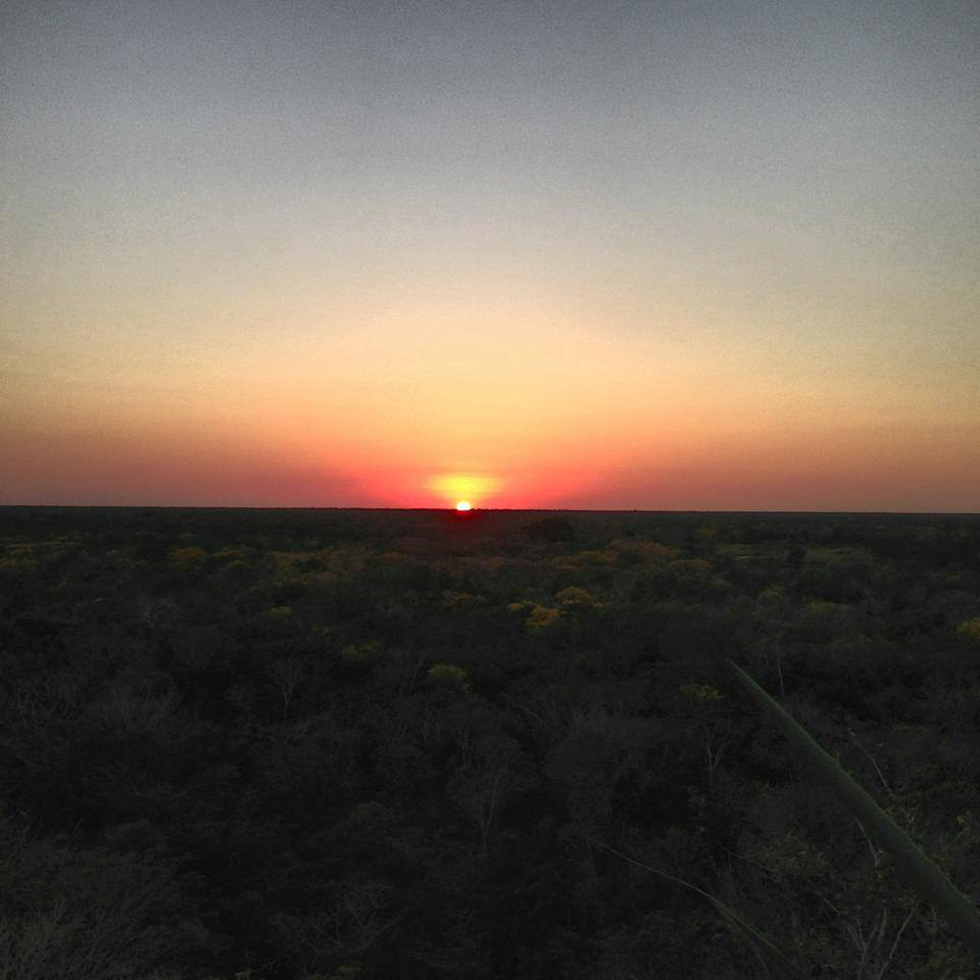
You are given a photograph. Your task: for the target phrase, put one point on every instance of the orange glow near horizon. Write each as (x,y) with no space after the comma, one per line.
(463,491)
(580,418)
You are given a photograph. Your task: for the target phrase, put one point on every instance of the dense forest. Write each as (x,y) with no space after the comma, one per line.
(346,745)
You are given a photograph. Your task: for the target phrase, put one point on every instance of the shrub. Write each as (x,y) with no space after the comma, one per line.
(449,675)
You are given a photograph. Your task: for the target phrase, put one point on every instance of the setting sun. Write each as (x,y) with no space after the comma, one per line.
(463,491)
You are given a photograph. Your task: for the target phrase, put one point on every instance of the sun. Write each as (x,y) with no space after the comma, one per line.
(462,491)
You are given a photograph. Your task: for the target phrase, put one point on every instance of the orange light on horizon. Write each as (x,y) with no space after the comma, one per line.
(463,490)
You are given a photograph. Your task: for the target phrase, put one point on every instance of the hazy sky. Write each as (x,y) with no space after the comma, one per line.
(607,254)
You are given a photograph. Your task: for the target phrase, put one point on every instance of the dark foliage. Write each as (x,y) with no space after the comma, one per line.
(329,745)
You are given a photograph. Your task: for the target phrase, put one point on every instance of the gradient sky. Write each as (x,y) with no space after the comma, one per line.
(671,255)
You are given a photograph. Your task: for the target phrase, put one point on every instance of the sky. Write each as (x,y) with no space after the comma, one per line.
(528,253)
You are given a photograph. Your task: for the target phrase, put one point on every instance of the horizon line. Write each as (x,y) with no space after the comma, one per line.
(494,510)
